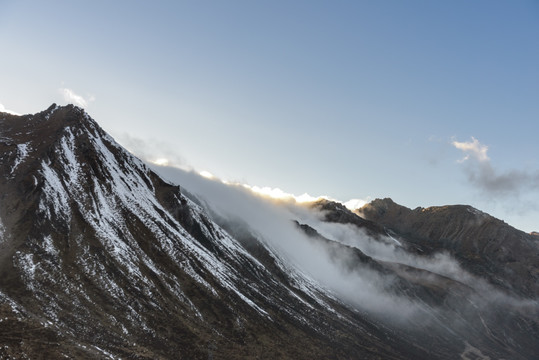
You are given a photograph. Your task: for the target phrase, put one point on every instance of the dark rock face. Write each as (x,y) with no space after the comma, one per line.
(338,213)
(484,245)
(101,258)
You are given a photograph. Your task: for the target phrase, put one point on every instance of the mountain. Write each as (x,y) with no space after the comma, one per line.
(101,257)
(484,245)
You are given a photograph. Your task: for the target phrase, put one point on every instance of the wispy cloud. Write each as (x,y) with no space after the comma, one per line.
(3,109)
(482,174)
(472,148)
(278,194)
(71,97)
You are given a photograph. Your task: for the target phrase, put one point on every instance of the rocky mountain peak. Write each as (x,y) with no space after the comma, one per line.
(483,243)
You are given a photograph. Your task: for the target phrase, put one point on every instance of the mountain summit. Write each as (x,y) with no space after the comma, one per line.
(484,245)
(100,257)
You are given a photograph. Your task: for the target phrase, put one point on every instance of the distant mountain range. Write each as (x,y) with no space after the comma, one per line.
(103,256)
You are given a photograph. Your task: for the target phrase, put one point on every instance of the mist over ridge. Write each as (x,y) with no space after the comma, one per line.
(271,219)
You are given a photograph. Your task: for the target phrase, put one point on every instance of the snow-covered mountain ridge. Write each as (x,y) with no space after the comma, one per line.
(102,258)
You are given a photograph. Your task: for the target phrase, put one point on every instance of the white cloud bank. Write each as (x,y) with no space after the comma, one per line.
(71,97)
(267,214)
(3,109)
(269,219)
(158,153)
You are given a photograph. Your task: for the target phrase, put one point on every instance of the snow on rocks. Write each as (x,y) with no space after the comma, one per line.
(2,232)
(127,179)
(56,199)
(22,153)
(89,177)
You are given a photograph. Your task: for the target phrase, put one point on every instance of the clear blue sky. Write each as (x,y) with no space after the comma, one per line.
(351,99)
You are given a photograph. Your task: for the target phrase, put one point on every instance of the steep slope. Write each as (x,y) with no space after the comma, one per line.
(423,298)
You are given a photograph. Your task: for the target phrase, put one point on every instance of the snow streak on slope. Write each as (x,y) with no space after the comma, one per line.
(109,185)
(22,153)
(56,200)
(128,180)
(2,231)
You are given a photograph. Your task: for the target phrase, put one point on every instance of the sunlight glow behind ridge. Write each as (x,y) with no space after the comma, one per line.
(206,174)
(278,194)
(160,162)
(267,192)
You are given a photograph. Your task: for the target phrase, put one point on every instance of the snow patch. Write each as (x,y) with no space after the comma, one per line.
(52,111)
(28,267)
(106,353)
(251,303)
(14,306)
(395,240)
(48,246)
(475,211)
(55,199)
(2,232)
(22,153)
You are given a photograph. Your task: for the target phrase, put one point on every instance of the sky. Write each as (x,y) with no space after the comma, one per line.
(426,102)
